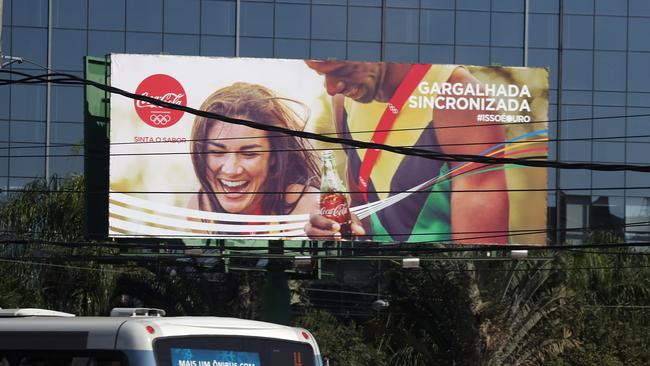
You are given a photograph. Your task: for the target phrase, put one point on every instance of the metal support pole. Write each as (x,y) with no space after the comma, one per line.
(275,295)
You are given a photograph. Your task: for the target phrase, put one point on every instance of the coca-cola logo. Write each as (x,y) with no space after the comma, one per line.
(164,88)
(337,211)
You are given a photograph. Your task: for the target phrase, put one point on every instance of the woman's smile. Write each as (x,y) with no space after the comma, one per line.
(238,165)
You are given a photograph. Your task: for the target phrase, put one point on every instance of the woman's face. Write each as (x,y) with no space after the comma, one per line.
(238,163)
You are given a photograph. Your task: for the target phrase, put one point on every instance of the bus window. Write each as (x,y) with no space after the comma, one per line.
(60,358)
(226,351)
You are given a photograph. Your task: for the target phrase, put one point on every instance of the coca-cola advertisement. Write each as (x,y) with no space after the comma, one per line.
(175,174)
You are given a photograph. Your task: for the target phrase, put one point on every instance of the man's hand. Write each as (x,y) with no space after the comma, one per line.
(321,228)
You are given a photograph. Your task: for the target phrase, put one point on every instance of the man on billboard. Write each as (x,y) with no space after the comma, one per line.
(382,103)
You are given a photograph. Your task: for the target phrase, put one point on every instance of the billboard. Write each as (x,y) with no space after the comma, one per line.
(175,174)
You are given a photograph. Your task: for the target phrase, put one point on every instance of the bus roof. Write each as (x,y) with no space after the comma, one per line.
(138,332)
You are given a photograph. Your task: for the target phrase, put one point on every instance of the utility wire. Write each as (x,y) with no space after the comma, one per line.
(73,79)
(358,245)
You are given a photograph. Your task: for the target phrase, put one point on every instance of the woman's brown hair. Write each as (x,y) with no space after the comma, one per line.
(291,160)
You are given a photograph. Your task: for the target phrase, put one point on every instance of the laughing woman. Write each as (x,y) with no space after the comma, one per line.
(248,171)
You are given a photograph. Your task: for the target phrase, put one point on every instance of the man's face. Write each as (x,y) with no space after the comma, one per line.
(360,81)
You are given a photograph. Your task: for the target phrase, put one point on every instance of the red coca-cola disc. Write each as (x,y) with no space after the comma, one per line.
(165,88)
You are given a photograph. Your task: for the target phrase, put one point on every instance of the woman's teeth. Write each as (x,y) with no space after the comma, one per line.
(234,185)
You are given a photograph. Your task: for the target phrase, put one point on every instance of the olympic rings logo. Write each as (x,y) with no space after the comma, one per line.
(159,119)
(164,88)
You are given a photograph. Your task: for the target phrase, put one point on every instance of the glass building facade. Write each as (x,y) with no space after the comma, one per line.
(598,52)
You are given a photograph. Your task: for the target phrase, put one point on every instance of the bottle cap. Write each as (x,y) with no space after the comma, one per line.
(326,154)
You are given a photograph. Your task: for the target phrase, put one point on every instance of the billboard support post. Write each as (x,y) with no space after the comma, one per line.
(275,295)
(96,150)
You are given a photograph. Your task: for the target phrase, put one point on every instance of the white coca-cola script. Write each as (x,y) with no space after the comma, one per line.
(173,98)
(340,210)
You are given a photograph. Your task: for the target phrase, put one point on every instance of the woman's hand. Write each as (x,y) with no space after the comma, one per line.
(321,228)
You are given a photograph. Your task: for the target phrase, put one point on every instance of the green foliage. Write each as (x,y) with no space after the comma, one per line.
(38,274)
(342,344)
(612,320)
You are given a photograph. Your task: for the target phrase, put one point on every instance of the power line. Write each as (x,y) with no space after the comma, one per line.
(73,79)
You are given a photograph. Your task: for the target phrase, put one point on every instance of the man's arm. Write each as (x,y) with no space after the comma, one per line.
(476,217)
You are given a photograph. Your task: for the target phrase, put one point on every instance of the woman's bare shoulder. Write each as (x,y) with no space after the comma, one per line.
(305,198)
(193,203)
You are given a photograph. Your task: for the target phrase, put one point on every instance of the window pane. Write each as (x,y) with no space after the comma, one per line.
(608,180)
(611,33)
(472,55)
(256,47)
(508,5)
(610,70)
(218,17)
(609,7)
(637,210)
(144,15)
(609,122)
(101,43)
(365,24)
(472,28)
(639,42)
(639,8)
(182,16)
(291,21)
(402,25)
(365,2)
(323,50)
(364,51)
(28,102)
(28,166)
(437,4)
(329,22)
(4,102)
(507,30)
(638,77)
(472,5)
(436,26)
(544,6)
(403,3)
(576,179)
(255,19)
(578,31)
(609,98)
(30,44)
(507,56)
(67,103)
(6,13)
(638,99)
(5,39)
(578,6)
(577,97)
(143,42)
(543,31)
(70,13)
(576,127)
(29,13)
(577,69)
(437,54)
(106,15)
(217,46)
(330,2)
(401,52)
(292,48)
(27,132)
(68,49)
(181,44)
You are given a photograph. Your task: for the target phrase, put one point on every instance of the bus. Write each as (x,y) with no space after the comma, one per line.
(145,337)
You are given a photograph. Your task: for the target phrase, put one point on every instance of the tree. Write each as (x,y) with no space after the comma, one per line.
(35,272)
(340,343)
